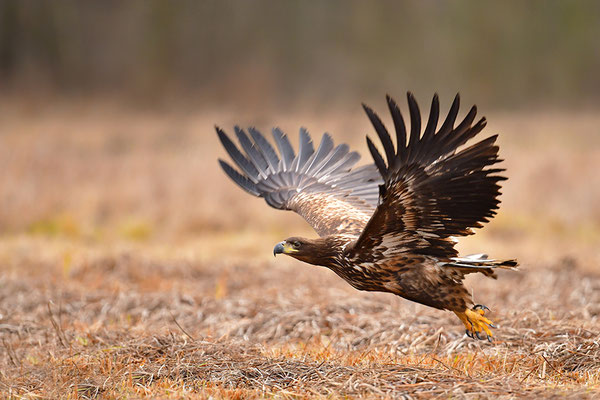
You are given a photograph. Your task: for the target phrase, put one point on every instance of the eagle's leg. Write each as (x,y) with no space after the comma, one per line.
(475,321)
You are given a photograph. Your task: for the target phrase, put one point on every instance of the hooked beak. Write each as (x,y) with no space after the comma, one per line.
(284,248)
(279,248)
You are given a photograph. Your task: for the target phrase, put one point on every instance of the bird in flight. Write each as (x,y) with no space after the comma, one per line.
(389,226)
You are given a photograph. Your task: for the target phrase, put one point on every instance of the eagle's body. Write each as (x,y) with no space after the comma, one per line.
(387,226)
(420,278)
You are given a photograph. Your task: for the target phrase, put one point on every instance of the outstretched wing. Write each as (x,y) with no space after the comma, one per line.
(431,190)
(320,184)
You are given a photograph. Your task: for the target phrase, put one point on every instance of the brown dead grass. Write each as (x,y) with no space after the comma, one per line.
(130,267)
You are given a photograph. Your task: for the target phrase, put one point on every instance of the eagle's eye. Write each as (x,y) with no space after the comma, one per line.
(296,244)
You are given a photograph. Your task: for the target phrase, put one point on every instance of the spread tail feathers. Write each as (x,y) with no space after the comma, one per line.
(480,263)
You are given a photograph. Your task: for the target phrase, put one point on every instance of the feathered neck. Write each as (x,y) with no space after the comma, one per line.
(325,251)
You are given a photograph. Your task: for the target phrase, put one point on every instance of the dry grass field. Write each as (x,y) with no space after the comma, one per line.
(130,266)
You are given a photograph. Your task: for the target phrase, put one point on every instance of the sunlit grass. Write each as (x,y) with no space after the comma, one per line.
(131,267)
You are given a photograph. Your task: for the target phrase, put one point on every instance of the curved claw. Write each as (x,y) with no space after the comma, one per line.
(477,324)
(490,339)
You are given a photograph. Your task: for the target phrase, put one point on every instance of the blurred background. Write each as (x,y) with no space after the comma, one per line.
(507,54)
(107,109)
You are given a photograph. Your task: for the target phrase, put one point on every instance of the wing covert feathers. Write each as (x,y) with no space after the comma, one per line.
(433,188)
(318,184)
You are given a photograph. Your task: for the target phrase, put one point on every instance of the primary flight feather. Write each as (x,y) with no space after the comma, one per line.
(387,226)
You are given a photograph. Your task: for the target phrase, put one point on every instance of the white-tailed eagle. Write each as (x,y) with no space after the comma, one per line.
(387,226)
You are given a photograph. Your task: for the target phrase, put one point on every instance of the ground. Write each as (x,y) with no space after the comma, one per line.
(131,267)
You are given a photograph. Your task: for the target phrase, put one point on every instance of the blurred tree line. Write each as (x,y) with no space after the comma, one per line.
(506,53)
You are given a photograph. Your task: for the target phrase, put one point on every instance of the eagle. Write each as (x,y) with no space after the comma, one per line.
(389,226)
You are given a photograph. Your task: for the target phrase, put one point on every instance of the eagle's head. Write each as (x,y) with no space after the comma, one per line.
(294,246)
(313,251)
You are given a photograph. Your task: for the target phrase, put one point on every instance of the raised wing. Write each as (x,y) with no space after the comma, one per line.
(320,184)
(431,190)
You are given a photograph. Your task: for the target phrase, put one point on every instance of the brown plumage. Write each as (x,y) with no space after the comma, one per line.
(387,226)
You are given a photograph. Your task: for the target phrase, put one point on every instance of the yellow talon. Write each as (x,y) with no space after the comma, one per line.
(475,321)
